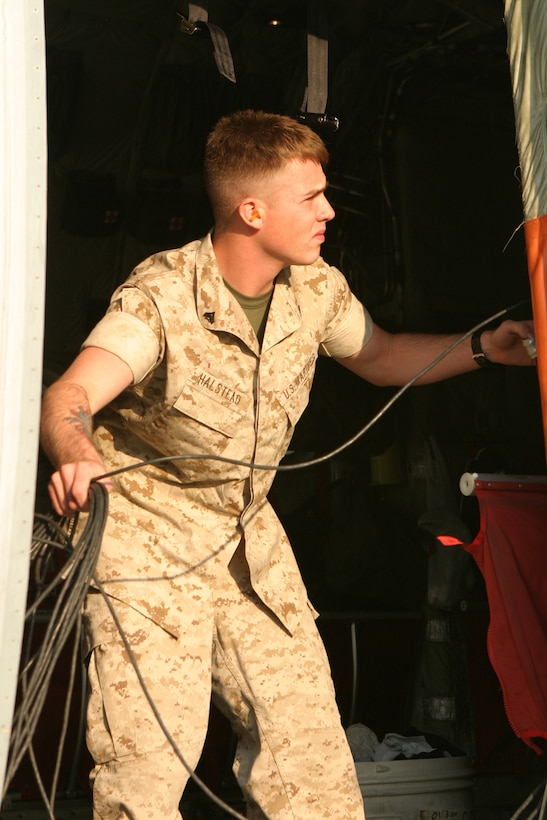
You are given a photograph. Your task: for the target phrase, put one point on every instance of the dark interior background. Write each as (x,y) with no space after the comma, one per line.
(424,178)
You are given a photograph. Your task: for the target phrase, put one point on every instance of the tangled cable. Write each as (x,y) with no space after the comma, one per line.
(59,585)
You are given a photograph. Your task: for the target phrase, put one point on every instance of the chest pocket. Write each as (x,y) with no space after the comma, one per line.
(294,395)
(211,402)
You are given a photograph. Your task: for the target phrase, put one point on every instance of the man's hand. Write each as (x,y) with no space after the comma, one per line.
(504,345)
(69,486)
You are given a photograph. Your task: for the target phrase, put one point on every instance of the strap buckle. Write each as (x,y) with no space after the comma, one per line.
(187,26)
(326,122)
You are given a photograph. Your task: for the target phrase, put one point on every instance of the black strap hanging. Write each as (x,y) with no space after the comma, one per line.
(314,105)
(198,20)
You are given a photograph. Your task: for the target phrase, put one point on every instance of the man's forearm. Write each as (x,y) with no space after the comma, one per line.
(416,352)
(66,424)
(394,359)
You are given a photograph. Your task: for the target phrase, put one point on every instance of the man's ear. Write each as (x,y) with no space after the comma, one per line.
(250,211)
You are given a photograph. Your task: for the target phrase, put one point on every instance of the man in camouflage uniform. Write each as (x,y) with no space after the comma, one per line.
(209,351)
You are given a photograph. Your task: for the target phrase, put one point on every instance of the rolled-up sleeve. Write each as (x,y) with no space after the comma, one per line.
(131,330)
(351,326)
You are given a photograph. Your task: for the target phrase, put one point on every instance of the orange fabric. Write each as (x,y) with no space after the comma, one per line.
(511,552)
(536,246)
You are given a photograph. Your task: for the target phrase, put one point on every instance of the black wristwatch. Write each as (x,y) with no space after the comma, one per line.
(479,355)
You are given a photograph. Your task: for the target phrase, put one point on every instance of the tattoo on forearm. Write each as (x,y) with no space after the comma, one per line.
(82,419)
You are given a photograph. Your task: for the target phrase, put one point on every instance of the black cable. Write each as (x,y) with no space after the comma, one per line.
(66,714)
(78,573)
(36,674)
(336,451)
(73,580)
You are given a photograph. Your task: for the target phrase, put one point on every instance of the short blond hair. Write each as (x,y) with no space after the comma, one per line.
(248,146)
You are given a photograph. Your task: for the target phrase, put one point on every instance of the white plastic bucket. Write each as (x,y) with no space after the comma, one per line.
(421,789)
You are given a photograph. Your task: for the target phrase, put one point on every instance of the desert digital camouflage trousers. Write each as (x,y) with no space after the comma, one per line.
(292,759)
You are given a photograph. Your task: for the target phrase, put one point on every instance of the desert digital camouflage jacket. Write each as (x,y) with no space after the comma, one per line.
(205,388)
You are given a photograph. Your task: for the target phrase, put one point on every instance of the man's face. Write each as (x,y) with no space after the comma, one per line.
(295,214)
